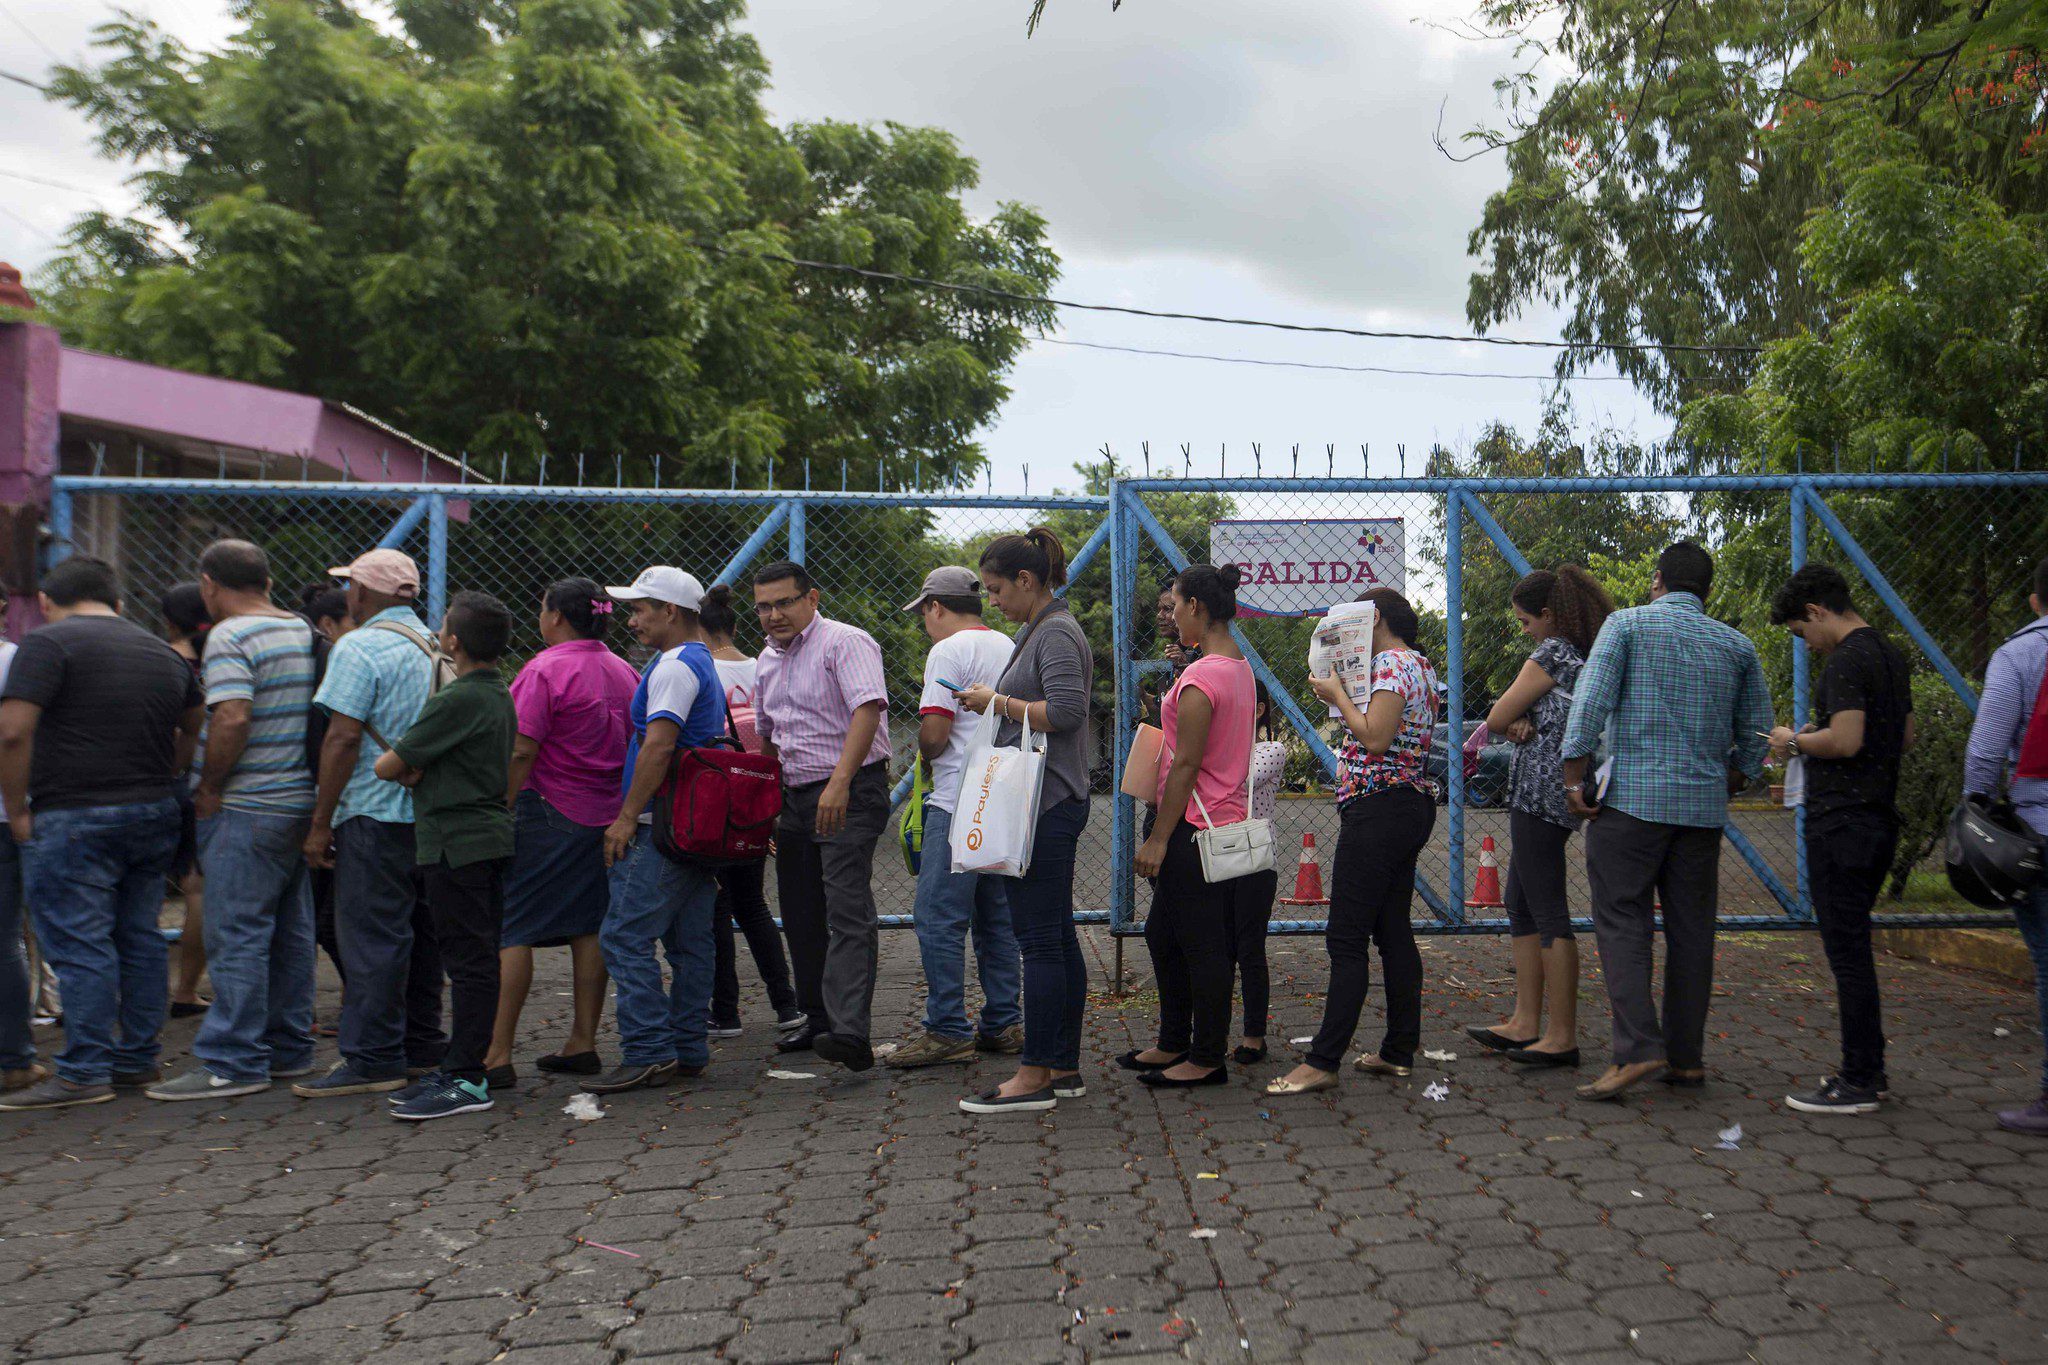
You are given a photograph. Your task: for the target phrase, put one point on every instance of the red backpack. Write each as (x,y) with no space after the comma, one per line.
(719,805)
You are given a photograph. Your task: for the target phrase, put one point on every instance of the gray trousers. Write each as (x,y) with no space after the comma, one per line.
(1633,865)
(828,901)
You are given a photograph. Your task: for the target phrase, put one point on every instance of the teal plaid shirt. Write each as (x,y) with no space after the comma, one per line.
(1685,698)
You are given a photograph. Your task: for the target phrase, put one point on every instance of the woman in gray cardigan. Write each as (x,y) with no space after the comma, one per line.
(1049,679)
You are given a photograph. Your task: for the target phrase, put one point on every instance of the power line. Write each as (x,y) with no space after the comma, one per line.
(51,184)
(1010,296)
(46,236)
(33,36)
(36,86)
(1311,365)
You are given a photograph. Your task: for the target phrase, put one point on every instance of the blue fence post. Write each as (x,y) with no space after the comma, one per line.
(1454,661)
(408,522)
(1123,579)
(755,543)
(797,531)
(437,560)
(61,512)
(1802,665)
(1083,556)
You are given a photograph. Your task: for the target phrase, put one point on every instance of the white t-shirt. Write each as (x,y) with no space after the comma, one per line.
(670,689)
(736,676)
(967,657)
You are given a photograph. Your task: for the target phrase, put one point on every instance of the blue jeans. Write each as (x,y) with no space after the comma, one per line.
(655,899)
(947,901)
(2032,914)
(17,1043)
(259,946)
(391,1005)
(1055,973)
(95,881)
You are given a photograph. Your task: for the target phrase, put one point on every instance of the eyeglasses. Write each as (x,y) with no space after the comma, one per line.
(778,606)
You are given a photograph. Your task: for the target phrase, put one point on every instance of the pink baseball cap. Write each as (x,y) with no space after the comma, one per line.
(390,572)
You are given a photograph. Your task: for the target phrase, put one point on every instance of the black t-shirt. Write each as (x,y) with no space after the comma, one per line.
(112,696)
(1866,673)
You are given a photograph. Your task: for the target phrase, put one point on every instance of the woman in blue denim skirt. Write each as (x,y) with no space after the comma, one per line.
(565,786)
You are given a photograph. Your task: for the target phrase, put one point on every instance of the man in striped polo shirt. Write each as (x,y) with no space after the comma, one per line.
(253,801)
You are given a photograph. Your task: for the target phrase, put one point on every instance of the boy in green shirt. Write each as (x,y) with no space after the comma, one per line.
(455,758)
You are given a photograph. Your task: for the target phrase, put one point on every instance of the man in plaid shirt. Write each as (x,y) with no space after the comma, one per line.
(1682,697)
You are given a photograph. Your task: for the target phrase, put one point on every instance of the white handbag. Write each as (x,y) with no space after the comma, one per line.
(995,813)
(1240,848)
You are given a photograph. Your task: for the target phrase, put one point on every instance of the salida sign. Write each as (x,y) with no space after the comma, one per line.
(1303,568)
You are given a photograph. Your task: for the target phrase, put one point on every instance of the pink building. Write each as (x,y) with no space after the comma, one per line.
(71,411)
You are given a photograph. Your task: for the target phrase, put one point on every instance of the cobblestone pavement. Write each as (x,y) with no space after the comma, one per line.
(786,1220)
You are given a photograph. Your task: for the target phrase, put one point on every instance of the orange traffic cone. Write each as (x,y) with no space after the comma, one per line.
(1486,881)
(1308,877)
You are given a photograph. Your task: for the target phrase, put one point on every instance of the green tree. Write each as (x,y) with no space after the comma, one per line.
(525,228)
(1659,189)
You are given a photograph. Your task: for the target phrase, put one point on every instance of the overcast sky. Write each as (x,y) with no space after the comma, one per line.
(1209,156)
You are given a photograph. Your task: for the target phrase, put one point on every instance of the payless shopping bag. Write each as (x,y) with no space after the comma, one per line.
(995,816)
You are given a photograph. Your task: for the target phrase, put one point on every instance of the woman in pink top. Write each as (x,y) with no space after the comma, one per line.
(572,700)
(1204,761)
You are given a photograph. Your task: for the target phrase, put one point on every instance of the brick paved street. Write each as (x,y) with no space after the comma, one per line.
(785,1220)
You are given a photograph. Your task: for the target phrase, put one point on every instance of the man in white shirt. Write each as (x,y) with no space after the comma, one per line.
(964,652)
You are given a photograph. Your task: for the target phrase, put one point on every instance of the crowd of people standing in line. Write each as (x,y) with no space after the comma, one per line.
(345,778)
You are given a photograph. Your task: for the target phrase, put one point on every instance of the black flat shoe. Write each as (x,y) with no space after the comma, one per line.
(1129,1061)
(186,1009)
(570,1063)
(1248,1056)
(1497,1042)
(1159,1080)
(800,1041)
(844,1049)
(1522,1056)
(501,1077)
(995,1102)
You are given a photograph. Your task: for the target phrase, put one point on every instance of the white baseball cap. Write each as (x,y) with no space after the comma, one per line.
(661,583)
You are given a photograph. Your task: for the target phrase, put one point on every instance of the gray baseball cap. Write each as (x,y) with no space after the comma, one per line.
(948,580)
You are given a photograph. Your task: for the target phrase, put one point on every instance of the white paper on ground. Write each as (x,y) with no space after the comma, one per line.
(792,1075)
(1438,1091)
(1731,1139)
(583,1108)
(1439,1055)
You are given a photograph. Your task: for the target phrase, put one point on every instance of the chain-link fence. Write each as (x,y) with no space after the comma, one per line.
(1940,562)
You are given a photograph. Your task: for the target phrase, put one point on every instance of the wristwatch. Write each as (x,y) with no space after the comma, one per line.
(1793,745)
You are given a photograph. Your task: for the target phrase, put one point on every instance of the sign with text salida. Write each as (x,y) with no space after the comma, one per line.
(1303,568)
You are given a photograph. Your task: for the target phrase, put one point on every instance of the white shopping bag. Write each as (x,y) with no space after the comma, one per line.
(1795,781)
(995,815)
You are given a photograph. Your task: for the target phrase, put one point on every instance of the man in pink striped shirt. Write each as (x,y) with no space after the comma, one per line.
(819,705)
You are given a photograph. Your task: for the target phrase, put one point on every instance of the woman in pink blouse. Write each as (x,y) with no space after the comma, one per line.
(572,700)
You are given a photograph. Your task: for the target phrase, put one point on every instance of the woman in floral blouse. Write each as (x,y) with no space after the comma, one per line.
(1561,612)
(1388,808)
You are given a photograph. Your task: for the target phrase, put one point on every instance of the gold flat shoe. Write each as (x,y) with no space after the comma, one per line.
(1380,1066)
(1283,1086)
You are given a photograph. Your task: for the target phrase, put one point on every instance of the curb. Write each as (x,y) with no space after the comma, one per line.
(1997,951)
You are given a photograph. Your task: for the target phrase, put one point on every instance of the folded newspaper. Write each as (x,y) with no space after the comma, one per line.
(1342,645)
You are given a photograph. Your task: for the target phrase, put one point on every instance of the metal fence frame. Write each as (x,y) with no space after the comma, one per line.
(1126,525)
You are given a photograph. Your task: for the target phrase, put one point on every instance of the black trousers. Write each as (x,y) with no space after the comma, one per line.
(1372,885)
(742,900)
(1189,933)
(468,907)
(826,887)
(1848,856)
(1251,912)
